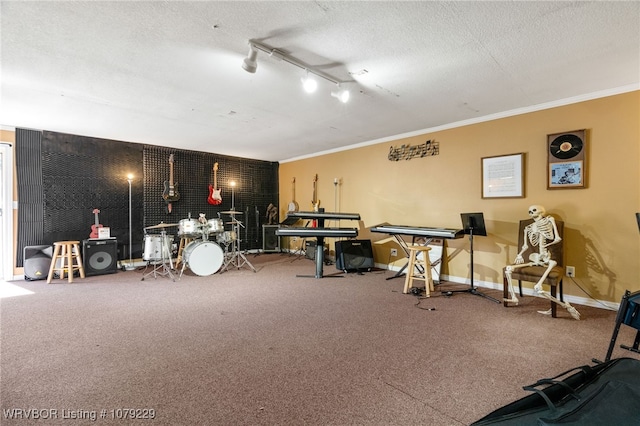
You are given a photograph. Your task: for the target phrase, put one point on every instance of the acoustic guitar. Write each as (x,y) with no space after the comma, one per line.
(96,226)
(293,205)
(214,192)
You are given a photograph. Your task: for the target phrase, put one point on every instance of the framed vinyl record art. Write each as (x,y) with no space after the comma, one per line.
(566,166)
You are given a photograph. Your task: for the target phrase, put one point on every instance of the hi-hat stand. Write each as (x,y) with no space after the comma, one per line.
(161,268)
(235,257)
(473,224)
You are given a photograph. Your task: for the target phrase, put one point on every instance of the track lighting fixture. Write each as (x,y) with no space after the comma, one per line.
(249,64)
(309,83)
(341,94)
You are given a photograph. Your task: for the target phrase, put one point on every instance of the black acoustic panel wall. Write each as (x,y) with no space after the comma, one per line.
(100,257)
(30,190)
(256,187)
(81,174)
(354,255)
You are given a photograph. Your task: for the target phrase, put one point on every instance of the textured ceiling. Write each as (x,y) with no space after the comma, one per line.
(169,73)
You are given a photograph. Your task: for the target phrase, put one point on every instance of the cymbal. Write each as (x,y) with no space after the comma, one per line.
(232,212)
(233,222)
(161,225)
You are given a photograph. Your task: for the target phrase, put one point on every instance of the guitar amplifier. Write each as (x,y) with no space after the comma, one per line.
(354,255)
(100,256)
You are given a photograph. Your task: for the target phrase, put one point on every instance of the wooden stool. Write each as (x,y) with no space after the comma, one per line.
(184,241)
(419,269)
(67,252)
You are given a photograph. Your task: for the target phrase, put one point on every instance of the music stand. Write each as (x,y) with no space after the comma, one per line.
(473,224)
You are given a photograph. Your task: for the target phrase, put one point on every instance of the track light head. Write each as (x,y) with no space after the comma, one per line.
(310,84)
(342,95)
(250,64)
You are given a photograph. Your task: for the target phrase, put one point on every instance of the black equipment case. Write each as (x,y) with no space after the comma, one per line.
(605,394)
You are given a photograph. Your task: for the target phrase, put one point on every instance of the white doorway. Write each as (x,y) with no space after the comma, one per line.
(6,212)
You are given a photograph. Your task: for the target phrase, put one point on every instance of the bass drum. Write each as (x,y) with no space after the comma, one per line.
(203,257)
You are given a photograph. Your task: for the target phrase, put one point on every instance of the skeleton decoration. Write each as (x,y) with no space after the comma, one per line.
(542,233)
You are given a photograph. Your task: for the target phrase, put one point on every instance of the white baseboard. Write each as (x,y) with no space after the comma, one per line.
(525,291)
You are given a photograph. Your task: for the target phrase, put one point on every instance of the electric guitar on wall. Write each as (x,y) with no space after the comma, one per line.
(293,205)
(170,193)
(214,192)
(315,203)
(96,226)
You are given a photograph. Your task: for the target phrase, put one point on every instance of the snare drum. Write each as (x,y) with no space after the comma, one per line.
(188,228)
(215,226)
(227,237)
(203,257)
(153,247)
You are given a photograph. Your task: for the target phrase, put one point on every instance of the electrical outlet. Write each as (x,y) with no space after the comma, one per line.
(571,271)
(394,252)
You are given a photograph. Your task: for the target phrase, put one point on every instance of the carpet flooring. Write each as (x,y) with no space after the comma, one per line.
(272,348)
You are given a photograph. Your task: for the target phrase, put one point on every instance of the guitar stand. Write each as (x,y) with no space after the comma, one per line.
(161,269)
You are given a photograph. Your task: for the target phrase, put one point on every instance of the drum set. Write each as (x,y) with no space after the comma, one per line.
(205,246)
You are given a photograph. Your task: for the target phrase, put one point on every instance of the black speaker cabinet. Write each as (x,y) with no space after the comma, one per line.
(100,256)
(270,241)
(354,255)
(310,248)
(37,261)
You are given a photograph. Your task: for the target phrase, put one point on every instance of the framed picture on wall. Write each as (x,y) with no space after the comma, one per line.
(566,165)
(503,176)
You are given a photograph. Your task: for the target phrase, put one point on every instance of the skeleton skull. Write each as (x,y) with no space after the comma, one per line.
(536,211)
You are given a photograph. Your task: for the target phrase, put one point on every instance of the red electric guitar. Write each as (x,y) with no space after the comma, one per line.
(94,228)
(214,192)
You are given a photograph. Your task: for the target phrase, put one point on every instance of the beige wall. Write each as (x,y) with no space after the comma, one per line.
(601,235)
(602,239)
